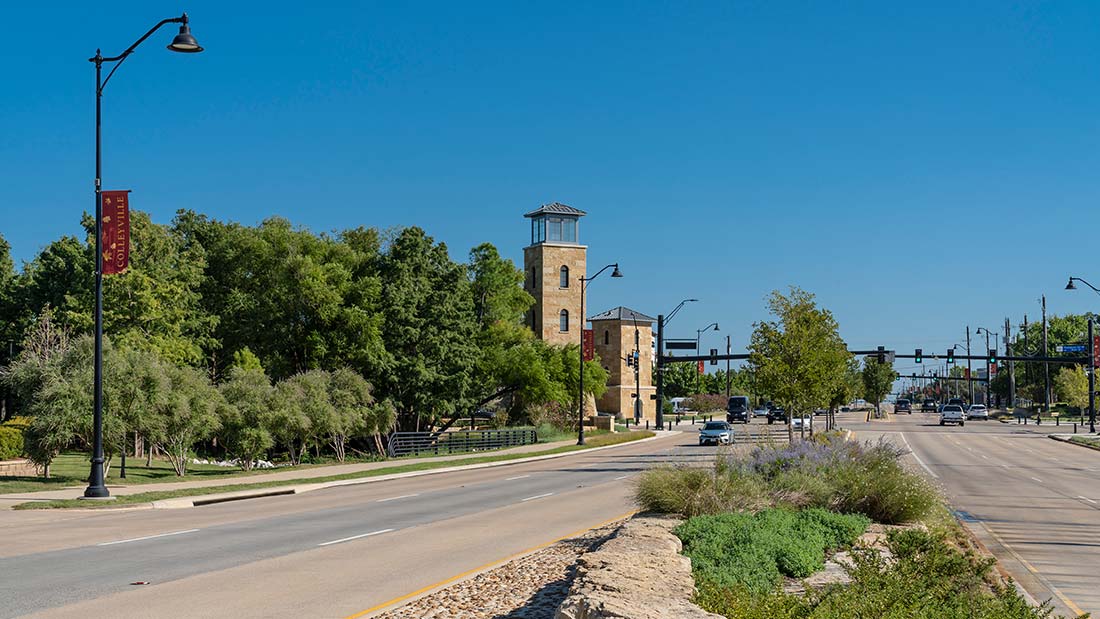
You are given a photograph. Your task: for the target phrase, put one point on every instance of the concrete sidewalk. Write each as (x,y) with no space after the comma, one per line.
(75,492)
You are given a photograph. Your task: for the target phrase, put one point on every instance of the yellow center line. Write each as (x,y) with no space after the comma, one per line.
(462,575)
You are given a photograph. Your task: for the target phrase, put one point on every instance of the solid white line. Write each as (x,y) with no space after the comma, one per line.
(919,461)
(348,539)
(1086,499)
(138,539)
(1037,479)
(519,477)
(538,496)
(621,477)
(394,498)
(985,457)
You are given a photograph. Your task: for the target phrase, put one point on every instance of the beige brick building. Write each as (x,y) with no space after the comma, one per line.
(619,333)
(554,264)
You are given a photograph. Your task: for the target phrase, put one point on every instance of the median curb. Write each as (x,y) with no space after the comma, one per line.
(302,488)
(1065,438)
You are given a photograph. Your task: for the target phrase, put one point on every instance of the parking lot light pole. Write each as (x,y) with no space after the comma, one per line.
(580,381)
(183,42)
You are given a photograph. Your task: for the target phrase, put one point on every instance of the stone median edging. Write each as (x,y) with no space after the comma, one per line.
(240,495)
(637,574)
(1065,438)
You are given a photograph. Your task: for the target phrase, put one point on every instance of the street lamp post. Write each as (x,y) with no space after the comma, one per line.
(989,368)
(662,320)
(637,369)
(580,408)
(1092,355)
(183,42)
(699,351)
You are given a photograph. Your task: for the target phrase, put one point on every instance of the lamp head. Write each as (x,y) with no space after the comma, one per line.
(616,272)
(184,41)
(1070,285)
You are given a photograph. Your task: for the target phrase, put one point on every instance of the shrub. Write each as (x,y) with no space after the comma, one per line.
(751,551)
(706,402)
(693,491)
(11,442)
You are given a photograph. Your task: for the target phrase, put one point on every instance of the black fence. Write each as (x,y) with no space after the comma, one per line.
(443,443)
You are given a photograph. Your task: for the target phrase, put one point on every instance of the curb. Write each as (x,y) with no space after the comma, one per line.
(1062,438)
(1001,571)
(302,488)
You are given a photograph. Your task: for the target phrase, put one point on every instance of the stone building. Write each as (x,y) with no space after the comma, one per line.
(620,334)
(554,264)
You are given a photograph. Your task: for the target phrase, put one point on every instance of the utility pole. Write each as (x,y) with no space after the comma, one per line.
(969,371)
(727,368)
(1027,353)
(1046,365)
(1011,366)
(1092,378)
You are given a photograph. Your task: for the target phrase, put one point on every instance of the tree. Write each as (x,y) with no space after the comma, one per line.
(878,380)
(429,330)
(188,414)
(681,379)
(352,410)
(1072,386)
(289,424)
(246,415)
(799,358)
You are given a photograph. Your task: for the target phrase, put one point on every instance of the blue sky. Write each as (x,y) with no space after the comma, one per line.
(918,166)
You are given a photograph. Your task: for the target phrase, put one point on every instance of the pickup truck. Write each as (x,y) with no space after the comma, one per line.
(952,413)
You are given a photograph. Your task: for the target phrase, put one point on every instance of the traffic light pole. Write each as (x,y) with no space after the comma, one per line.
(1092,378)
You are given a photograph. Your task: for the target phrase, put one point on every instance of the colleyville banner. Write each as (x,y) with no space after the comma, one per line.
(589,345)
(116,231)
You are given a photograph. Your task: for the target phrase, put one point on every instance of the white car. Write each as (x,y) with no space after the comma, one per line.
(717,432)
(952,413)
(978,411)
(799,422)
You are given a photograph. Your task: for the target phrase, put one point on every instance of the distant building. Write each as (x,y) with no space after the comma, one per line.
(619,333)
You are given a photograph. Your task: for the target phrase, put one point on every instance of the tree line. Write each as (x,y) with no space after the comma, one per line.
(359,332)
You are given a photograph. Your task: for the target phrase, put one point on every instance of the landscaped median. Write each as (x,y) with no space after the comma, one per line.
(188,497)
(823,529)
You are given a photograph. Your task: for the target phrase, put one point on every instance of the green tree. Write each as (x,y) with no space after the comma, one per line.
(878,380)
(429,330)
(1072,386)
(681,379)
(188,414)
(352,410)
(289,424)
(799,358)
(246,417)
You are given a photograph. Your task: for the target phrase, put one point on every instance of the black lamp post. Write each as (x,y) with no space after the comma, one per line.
(580,408)
(185,43)
(699,351)
(1092,355)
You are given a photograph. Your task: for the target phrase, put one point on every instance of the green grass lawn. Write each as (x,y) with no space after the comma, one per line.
(147,497)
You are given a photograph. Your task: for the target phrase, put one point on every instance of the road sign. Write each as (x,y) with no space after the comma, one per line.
(1070,348)
(679,344)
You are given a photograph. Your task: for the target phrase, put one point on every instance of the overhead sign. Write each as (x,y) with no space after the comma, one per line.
(1071,348)
(679,344)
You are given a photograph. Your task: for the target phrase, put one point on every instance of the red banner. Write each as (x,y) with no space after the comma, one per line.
(702,368)
(1096,351)
(992,370)
(116,231)
(589,345)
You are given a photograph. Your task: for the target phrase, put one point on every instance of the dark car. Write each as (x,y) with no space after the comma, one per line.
(957,402)
(903,406)
(777,413)
(928,406)
(737,409)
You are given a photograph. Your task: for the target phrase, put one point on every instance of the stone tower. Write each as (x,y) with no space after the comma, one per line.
(554,264)
(617,334)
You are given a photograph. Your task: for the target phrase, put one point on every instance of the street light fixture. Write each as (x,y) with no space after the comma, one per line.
(1092,354)
(580,408)
(183,42)
(669,315)
(699,351)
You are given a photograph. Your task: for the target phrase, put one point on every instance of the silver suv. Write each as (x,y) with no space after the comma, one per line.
(717,432)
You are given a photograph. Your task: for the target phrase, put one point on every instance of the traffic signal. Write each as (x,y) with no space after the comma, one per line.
(950,355)
(919,356)
(630,360)
(881,354)
(992,357)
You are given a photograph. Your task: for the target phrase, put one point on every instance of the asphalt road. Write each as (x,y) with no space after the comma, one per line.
(1033,501)
(330,553)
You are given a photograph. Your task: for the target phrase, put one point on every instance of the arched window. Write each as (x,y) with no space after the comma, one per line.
(564,282)
(606,337)
(563,321)
(533,282)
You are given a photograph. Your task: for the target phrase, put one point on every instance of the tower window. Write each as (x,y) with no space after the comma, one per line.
(534,284)
(606,338)
(563,321)
(564,277)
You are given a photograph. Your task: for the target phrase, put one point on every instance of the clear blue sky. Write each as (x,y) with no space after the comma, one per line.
(897,159)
